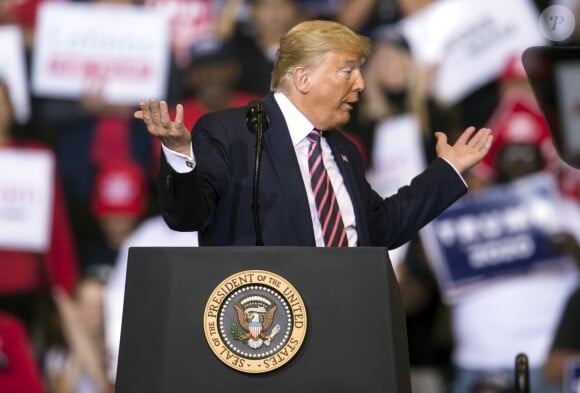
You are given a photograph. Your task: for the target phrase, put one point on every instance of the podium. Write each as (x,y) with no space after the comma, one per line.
(355,337)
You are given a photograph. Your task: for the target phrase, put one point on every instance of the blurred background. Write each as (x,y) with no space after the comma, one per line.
(494,276)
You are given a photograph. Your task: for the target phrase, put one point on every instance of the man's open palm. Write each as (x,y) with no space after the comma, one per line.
(468,150)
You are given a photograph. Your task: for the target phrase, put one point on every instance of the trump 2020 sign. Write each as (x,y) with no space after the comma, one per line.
(499,231)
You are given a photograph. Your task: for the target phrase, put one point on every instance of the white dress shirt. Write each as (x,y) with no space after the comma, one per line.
(299,127)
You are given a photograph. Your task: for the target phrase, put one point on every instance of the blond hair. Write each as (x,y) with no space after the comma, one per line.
(306,42)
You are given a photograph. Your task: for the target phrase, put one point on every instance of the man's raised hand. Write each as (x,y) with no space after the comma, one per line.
(172,134)
(468,150)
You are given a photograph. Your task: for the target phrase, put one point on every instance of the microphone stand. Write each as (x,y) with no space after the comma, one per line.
(257,122)
(257,165)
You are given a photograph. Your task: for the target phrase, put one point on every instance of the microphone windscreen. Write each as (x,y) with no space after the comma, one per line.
(256,116)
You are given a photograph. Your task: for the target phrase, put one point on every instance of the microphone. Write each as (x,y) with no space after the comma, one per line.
(257,123)
(522,375)
(256,118)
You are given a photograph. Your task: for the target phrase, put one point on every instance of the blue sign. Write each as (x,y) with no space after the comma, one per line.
(501,230)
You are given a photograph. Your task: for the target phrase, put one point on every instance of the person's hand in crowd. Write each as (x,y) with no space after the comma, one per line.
(375,105)
(468,150)
(226,22)
(173,134)
(81,346)
(94,102)
(355,14)
(565,243)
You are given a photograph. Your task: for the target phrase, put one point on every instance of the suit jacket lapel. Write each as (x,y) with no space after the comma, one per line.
(280,150)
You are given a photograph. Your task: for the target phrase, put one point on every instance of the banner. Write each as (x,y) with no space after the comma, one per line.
(502,230)
(120,51)
(397,157)
(470,41)
(13,71)
(26,199)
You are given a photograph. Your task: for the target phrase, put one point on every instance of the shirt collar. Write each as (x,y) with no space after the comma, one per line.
(298,125)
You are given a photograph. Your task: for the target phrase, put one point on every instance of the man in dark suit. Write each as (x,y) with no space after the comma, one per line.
(206,177)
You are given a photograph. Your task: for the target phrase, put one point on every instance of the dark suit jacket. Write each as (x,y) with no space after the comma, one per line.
(216,198)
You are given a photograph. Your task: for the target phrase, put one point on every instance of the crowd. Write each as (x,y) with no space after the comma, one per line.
(61,304)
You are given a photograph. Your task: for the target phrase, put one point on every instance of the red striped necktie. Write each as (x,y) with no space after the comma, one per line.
(326,203)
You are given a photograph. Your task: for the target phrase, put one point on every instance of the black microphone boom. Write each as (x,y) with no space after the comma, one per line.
(257,123)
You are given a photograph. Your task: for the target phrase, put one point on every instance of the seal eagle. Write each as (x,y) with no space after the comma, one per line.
(255,321)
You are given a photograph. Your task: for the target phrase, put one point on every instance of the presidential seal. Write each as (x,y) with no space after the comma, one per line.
(255,321)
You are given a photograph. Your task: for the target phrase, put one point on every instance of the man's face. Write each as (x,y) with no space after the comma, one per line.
(334,87)
(273,18)
(392,65)
(515,160)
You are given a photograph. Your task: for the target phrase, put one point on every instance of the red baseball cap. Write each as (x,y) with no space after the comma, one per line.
(119,188)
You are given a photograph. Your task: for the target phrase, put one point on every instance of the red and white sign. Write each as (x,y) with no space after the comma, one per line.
(121,51)
(26,199)
(189,21)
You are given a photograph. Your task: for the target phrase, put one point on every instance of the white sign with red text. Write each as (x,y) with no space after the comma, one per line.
(26,199)
(189,21)
(13,70)
(120,51)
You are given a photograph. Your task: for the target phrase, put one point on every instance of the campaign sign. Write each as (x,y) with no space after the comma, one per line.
(189,21)
(572,375)
(499,231)
(397,157)
(13,70)
(119,51)
(26,199)
(470,41)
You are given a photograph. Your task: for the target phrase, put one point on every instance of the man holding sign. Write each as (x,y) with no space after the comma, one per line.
(494,257)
